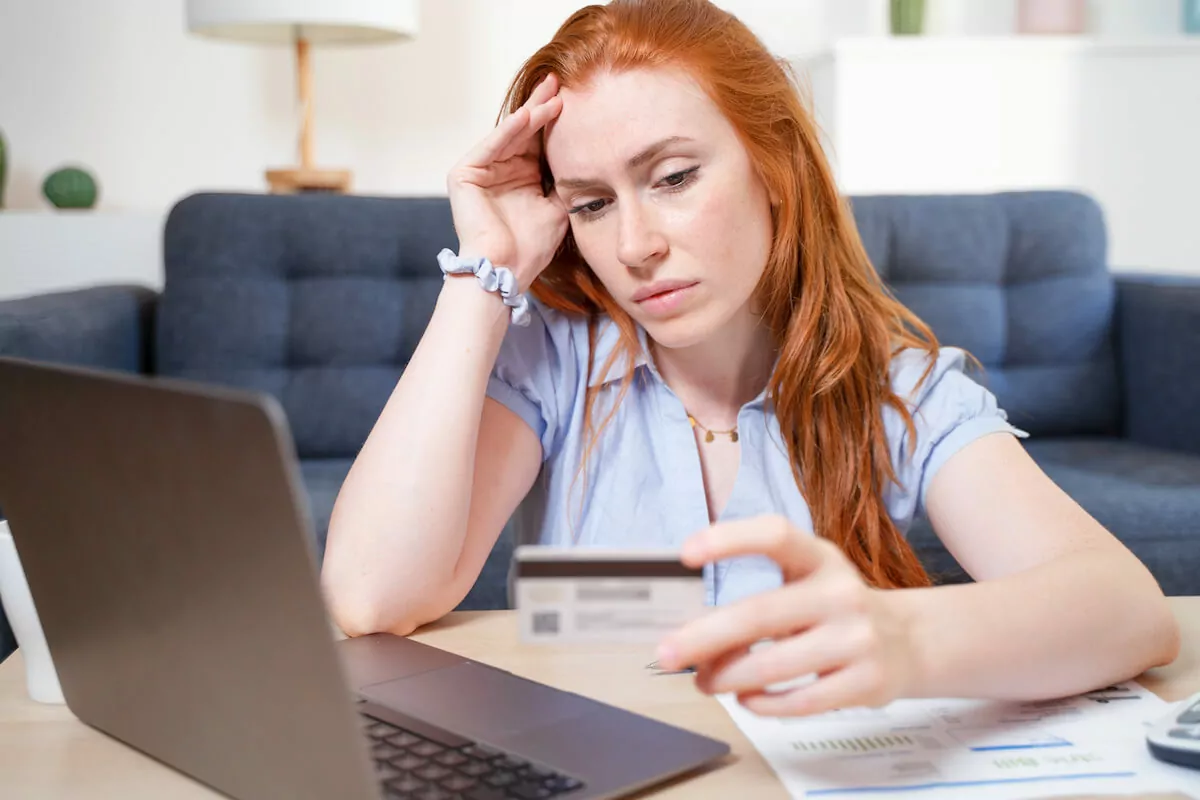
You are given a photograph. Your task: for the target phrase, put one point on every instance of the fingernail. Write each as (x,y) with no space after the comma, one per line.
(666,657)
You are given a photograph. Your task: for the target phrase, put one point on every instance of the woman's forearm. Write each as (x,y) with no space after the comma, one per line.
(400,519)
(1083,620)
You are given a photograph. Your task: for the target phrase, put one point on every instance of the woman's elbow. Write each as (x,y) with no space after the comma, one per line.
(1154,617)
(1168,639)
(360,618)
(361,613)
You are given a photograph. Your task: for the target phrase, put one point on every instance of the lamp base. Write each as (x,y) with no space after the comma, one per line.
(300,179)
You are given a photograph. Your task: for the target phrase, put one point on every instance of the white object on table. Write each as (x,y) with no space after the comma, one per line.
(40,675)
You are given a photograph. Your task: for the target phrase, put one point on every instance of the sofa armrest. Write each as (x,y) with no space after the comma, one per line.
(107,327)
(1158,325)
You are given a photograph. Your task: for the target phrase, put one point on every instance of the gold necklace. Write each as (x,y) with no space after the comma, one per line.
(708,435)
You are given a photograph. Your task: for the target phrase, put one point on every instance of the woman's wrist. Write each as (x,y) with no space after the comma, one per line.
(491,279)
(464,293)
(916,653)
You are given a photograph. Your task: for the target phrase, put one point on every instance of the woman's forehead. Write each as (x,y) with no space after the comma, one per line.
(615,116)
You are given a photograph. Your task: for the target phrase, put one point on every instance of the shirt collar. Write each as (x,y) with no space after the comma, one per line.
(608,339)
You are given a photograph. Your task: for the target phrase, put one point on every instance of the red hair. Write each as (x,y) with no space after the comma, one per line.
(836,325)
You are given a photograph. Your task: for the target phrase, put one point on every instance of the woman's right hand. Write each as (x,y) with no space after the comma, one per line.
(496,194)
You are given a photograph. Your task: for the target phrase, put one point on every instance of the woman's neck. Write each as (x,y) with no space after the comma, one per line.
(715,378)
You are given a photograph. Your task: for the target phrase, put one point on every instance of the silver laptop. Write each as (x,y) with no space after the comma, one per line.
(167,544)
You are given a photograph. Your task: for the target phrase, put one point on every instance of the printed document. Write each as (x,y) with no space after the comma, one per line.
(953,748)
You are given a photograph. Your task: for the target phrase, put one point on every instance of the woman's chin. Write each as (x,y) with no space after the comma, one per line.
(678,332)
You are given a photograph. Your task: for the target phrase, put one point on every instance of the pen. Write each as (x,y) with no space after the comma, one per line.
(654,665)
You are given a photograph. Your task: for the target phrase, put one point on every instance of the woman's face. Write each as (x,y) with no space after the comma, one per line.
(665,205)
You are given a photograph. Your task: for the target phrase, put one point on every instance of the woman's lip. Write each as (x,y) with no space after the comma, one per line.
(667,289)
(668,302)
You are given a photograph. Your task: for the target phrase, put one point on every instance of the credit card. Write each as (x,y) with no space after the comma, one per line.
(570,595)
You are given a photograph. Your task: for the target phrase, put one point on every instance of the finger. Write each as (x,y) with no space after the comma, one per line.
(521,170)
(543,93)
(547,87)
(825,648)
(527,142)
(797,553)
(773,614)
(859,685)
(707,671)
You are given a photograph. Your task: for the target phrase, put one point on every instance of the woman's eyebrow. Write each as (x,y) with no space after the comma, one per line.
(633,163)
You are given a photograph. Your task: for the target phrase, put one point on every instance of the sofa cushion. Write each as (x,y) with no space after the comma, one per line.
(323,478)
(1148,498)
(1018,279)
(318,300)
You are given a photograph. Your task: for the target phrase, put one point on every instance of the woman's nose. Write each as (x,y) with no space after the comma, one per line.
(641,242)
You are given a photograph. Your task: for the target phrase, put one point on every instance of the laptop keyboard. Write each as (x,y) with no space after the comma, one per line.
(420,762)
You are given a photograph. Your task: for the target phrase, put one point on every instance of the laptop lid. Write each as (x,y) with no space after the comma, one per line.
(163,530)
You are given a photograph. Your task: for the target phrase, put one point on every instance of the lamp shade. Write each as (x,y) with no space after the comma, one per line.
(319,22)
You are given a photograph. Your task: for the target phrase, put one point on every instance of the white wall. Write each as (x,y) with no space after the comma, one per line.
(121,86)
(156,113)
(991,114)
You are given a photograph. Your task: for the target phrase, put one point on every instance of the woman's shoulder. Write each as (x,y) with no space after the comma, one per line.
(915,372)
(942,387)
(949,408)
(539,369)
(553,339)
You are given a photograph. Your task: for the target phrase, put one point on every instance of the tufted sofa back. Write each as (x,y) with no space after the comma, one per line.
(1019,279)
(320,300)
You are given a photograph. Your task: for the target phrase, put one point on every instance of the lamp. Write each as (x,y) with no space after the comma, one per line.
(304,23)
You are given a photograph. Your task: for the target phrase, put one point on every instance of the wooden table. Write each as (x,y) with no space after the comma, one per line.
(46,753)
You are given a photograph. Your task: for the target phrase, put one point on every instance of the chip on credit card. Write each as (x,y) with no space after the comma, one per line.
(603,595)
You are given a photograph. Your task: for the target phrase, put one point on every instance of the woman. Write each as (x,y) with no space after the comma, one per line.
(710,362)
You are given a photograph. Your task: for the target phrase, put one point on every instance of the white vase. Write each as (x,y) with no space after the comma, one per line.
(1053,17)
(41,677)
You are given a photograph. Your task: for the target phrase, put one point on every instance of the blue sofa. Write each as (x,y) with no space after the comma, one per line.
(321,299)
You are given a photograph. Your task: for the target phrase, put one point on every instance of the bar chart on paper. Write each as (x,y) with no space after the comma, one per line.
(969,749)
(856,744)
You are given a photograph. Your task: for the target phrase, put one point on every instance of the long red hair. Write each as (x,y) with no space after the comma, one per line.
(836,325)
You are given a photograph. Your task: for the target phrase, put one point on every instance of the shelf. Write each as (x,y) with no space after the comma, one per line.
(43,250)
(992,46)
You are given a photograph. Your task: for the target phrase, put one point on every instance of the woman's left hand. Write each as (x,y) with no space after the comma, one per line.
(825,621)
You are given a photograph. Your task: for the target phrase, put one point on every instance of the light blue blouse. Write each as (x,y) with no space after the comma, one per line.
(644,486)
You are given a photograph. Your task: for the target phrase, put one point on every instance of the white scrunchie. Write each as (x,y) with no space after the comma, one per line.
(491,278)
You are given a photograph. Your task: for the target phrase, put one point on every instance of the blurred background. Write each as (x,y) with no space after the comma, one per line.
(924,96)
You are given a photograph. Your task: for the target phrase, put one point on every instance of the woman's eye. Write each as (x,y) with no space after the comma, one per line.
(676,179)
(594,207)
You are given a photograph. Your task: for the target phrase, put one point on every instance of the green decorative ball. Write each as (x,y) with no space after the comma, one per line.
(70,187)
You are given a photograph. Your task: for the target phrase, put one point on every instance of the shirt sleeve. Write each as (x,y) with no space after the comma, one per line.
(949,409)
(535,372)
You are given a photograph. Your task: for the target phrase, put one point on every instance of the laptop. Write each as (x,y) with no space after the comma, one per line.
(164,532)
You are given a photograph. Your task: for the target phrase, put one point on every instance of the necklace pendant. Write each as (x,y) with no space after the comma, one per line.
(708,436)
(733,437)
